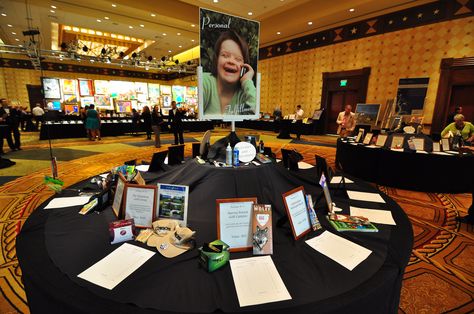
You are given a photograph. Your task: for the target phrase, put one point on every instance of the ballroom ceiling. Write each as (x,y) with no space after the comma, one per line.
(167,27)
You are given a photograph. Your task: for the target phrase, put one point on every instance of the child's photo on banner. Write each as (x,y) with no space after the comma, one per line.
(229,56)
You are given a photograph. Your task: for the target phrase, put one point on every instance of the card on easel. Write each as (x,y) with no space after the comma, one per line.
(262,239)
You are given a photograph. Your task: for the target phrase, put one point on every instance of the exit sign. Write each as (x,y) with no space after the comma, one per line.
(343,83)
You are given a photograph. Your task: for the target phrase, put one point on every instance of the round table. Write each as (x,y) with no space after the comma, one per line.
(56,245)
(426,172)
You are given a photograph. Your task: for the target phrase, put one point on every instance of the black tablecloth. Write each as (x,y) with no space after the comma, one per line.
(283,125)
(109,128)
(408,170)
(56,245)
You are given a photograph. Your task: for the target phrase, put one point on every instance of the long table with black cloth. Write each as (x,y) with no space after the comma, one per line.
(283,126)
(427,172)
(110,127)
(54,246)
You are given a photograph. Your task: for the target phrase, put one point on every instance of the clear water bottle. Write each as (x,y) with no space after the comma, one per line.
(236,157)
(228,155)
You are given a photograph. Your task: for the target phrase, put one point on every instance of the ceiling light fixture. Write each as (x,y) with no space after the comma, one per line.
(3,14)
(180,46)
(106,17)
(52,11)
(278,33)
(310,23)
(99,20)
(215,1)
(9,25)
(153,14)
(13,33)
(351,10)
(114,5)
(169,51)
(141,25)
(53,7)
(250,13)
(130,26)
(164,34)
(192,40)
(17,39)
(193,25)
(179,34)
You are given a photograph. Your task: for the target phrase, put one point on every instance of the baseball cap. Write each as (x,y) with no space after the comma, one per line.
(176,243)
(161,229)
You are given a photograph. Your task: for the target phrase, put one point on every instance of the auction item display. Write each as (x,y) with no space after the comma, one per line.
(295,204)
(262,239)
(173,202)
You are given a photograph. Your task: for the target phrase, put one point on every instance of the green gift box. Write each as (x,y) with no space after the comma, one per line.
(214,255)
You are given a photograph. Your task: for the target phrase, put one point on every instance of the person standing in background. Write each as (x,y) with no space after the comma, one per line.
(3,125)
(346,121)
(457,110)
(175,117)
(13,122)
(38,114)
(146,116)
(93,123)
(156,122)
(299,121)
(135,121)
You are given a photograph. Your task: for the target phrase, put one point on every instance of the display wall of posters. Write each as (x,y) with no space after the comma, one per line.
(101,87)
(140,204)
(229,55)
(173,202)
(51,88)
(103,101)
(69,86)
(122,90)
(295,204)
(367,113)
(70,99)
(141,88)
(165,89)
(86,101)
(85,88)
(234,222)
(178,93)
(191,95)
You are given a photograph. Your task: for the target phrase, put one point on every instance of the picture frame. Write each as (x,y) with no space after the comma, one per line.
(140,204)
(367,138)
(436,147)
(381,140)
(118,196)
(397,141)
(419,143)
(69,86)
(85,88)
(234,222)
(367,114)
(445,144)
(172,202)
(359,135)
(297,211)
(51,88)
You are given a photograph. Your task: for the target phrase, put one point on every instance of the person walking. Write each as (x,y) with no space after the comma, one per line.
(175,117)
(38,115)
(146,116)
(156,122)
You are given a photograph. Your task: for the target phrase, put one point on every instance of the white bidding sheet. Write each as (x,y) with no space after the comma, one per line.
(340,250)
(374,215)
(257,281)
(62,202)
(337,179)
(365,196)
(118,265)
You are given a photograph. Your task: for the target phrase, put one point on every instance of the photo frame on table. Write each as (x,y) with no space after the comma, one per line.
(118,196)
(436,147)
(419,143)
(360,135)
(297,211)
(381,140)
(397,141)
(234,222)
(445,144)
(140,204)
(173,202)
(367,138)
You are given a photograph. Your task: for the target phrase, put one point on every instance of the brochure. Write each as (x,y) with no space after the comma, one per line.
(262,238)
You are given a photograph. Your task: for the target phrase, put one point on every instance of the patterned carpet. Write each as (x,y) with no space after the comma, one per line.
(439,278)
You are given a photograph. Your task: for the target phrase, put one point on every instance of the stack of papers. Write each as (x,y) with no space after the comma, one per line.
(374,215)
(62,202)
(364,196)
(257,281)
(340,250)
(118,265)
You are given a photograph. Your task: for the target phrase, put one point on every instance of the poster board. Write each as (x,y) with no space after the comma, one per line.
(173,202)
(140,204)
(236,64)
(295,205)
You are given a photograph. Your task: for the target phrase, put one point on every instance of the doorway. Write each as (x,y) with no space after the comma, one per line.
(338,101)
(35,95)
(341,89)
(461,95)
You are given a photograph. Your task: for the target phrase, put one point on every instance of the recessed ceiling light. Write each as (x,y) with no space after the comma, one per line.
(180,46)
(141,25)
(278,33)
(9,25)
(3,14)
(114,5)
(215,1)
(193,25)
(99,20)
(130,26)
(179,34)
(164,34)
(351,10)
(153,14)
(53,7)
(169,51)
(13,33)
(20,45)
(106,17)
(52,11)
(250,13)
(192,40)
(310,23)
(17,39)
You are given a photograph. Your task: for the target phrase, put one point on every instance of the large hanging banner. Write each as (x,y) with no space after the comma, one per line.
(228,79)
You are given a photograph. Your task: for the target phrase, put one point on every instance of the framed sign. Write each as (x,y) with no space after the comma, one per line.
(397,141)
(85,88)
(295,204)
(51,88)
(381,139)
(419,143)
(445,144)
(234,222)
(140,204)
(367,138)
(367,114)
(173,202)
(436,147)
(359,135)
(117,203)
